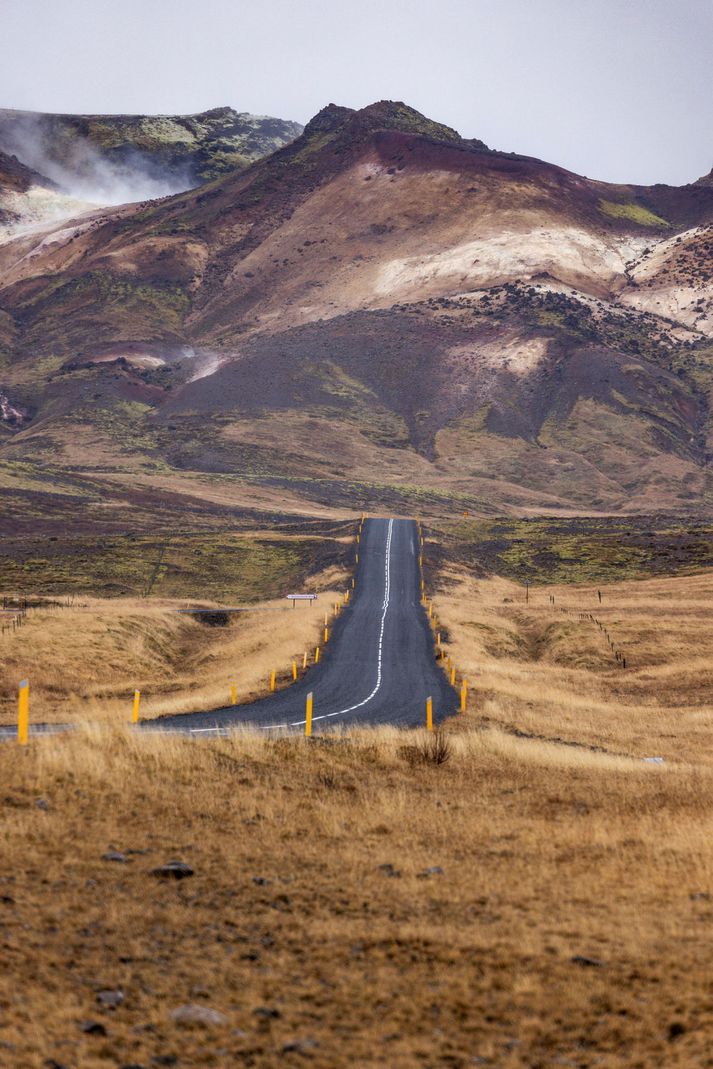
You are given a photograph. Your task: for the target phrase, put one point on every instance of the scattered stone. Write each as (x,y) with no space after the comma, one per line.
(268,1012)
(195,1014)
(261,881)
(115,855)
(676,1029)
(700,896)
(389,870)
(590,963)
(433,870)
(52,1063)
(300,1046)
(165,1059)
(173,870)
(42,803)
(93,1028)
(110,999)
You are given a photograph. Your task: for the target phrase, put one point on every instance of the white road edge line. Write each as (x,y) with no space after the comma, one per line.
(377,687)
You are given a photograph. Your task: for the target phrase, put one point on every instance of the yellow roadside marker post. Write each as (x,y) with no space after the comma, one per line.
(438,639)
(137,703)
(463,695)
(272,679)
(429,714)
(23,712)
(430,610)
(316,655)
(304,659)
(308,716)
(233,694)
(453,676)
(353,583)
(326,635)
(294,670)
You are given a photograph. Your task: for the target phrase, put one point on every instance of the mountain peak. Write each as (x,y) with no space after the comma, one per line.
(386,115)
(395,115)
(328,119)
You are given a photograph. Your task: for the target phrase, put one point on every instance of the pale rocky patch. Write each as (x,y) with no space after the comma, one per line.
(571,252)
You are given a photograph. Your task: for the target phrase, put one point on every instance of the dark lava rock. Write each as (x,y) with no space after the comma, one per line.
(434,870)
(115,855)
(173,870)
(93,1028)
(389,870)
(268,1012)
(591,963)
(300,1046)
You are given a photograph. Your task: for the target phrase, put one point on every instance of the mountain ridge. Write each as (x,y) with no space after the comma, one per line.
(379,295)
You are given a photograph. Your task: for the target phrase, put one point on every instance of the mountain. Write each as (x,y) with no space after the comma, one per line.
(110,159)
(380,311)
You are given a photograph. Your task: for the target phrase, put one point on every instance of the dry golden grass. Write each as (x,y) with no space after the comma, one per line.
(84,662)
(536,669)
(568,926)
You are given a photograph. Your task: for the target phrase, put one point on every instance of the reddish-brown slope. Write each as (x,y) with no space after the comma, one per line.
(353,283)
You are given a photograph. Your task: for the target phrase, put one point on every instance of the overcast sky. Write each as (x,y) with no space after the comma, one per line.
(614,89)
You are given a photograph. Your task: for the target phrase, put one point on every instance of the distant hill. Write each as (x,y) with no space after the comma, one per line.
(379,310)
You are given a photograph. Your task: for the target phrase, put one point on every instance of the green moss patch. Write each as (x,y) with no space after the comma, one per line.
(633,212)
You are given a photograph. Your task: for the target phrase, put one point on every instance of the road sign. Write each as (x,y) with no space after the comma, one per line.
(294,598)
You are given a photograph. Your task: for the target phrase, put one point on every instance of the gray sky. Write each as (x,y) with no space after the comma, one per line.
(614,89)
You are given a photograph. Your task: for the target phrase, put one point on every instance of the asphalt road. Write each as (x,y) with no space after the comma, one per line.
(378,666)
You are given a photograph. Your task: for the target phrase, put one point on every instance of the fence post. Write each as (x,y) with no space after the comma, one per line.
(23,713)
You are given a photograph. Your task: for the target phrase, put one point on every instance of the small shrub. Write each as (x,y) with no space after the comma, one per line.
(433,749)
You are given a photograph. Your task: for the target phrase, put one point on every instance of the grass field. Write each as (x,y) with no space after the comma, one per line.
(353,903)
(85,661)
(539,898)
(537,668)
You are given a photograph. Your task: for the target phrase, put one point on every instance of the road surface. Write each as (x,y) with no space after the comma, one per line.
(378,666)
